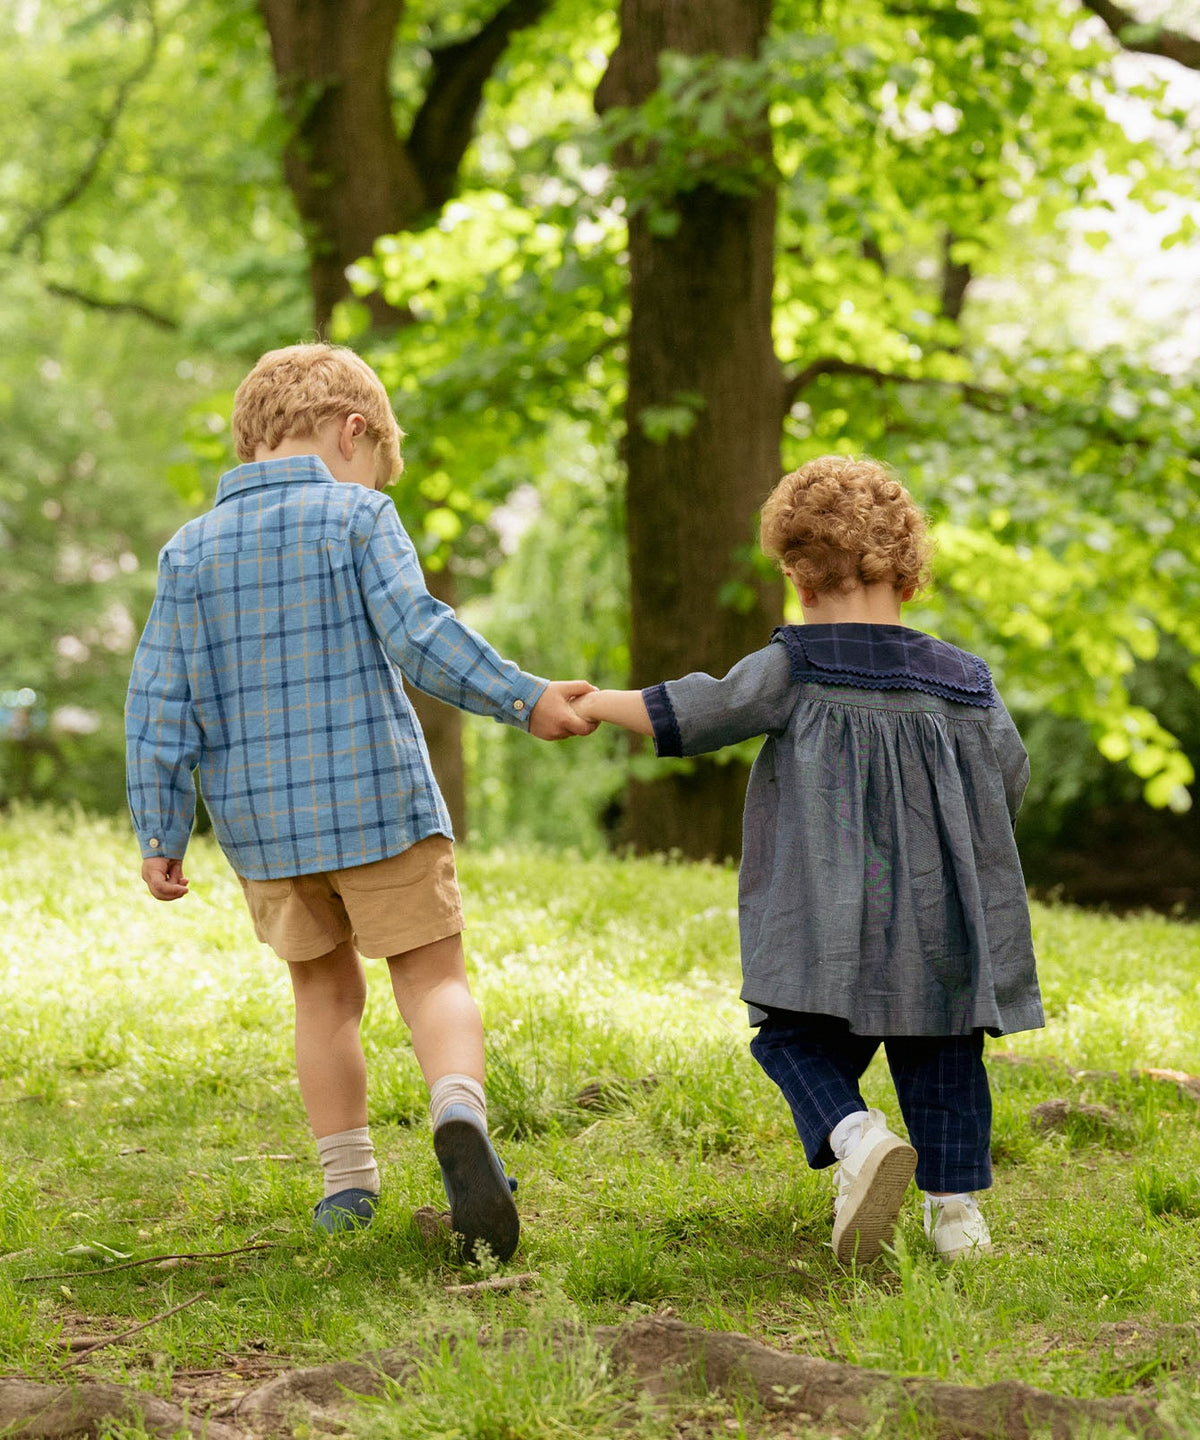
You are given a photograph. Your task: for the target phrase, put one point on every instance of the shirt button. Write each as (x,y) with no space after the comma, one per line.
(518,704)
(153,844)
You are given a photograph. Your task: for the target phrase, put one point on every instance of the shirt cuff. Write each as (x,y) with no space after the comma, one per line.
(156,843)
(667,739)
(518,708)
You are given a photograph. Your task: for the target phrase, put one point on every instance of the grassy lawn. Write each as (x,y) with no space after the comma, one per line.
(147,1105)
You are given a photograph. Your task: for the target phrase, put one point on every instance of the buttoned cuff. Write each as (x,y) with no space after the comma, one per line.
(667,739)
(156,843)
(518,708)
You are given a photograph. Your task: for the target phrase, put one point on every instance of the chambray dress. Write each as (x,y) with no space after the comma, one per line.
(880,880)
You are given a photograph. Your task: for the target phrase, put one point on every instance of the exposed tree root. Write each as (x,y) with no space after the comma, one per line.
(49,1412)
(657,1349)
(665,1355)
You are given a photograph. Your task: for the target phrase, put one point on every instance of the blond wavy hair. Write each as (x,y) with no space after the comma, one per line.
(295,392)
(838,522)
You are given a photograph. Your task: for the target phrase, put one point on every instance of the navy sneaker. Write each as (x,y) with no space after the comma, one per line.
(480,1193)
(352,1209)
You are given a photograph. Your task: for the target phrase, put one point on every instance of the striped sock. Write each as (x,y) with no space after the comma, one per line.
(348,1160)
(457,1090)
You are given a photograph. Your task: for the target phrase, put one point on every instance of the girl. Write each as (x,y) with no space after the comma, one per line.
(881,898)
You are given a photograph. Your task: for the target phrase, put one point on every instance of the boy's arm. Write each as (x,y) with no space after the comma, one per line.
(444,657)
(162,744)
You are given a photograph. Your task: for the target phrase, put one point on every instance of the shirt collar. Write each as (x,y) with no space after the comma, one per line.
(886,657)
(290,470)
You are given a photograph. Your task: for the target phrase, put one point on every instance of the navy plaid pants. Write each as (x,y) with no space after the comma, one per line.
(940,1082)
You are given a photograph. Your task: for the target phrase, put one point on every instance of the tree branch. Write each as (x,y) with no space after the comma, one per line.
(125,307)
(87,1354)
(152,1260)
(994,400)
(445,124)
(1148,38)
(35,225)
(956,277)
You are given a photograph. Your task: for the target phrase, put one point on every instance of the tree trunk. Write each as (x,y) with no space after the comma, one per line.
(441,725)
(700,325)
(350,174)
(355,178)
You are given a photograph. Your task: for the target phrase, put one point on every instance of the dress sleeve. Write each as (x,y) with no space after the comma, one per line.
(697,714)
(1010,752)
(424,637)
(163,739)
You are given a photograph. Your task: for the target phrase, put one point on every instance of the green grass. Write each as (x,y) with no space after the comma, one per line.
(146,1083)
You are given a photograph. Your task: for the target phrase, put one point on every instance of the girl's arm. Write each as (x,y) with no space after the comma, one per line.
(618,707)
(697,714)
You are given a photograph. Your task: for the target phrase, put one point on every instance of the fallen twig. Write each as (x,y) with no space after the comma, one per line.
(497,1282)
(152,1260)
(133,1330)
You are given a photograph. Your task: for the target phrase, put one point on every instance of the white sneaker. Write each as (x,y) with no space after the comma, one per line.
(959,1231)
(870,1184)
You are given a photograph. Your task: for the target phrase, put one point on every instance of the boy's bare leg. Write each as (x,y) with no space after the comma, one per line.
(331,993)
(435,1002)
(430,985)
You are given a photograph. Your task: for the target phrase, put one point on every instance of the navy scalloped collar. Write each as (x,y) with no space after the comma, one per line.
(886,657)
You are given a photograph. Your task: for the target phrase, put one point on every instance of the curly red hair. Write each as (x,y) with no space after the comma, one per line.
(838,522)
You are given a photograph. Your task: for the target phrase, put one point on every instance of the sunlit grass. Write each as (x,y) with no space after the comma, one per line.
(146,1095)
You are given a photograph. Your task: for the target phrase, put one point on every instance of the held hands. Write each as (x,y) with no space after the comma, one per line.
(625,708)
(164,877)
(554,716)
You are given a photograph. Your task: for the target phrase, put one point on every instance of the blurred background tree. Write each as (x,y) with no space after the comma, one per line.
(555,304)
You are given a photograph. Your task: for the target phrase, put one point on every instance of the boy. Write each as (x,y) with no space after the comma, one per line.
(272,660)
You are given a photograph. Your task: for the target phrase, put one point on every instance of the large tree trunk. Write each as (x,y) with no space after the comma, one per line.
(350,174)
(355,178)
(700,325)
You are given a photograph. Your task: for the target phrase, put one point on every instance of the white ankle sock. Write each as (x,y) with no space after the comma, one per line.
(937,1201)
(846,1134)
(457,1090)
(348,1160)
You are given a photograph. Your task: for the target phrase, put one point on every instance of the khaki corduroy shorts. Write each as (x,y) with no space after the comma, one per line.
(385,908)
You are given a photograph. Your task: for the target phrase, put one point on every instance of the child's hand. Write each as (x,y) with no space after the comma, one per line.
(582,706)
(616,707)
(554,717)
(164,877)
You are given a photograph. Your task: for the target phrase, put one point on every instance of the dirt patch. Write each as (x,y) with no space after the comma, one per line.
(1059,1114)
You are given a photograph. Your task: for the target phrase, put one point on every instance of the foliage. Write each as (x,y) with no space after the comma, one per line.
(144,239)
(163,112)
(147,1097)
(148,248)
(81,514)
(915,147)
(558,605)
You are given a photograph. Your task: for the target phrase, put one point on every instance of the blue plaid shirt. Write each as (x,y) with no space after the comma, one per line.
(272,660)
